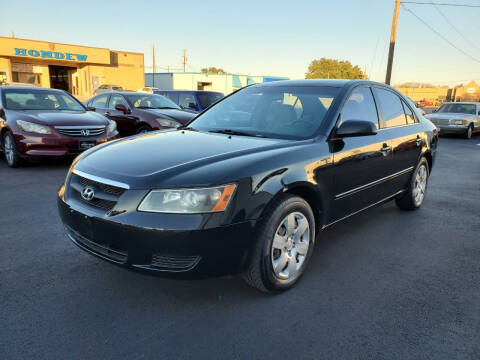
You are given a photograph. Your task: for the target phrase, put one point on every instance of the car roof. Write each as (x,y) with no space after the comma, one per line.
(191,91)
(462,102)
(26,87)
(318,82)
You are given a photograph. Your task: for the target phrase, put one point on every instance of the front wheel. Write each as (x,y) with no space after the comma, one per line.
(144,129)
(284,244)
(10,150)
(413,198)
(469,132)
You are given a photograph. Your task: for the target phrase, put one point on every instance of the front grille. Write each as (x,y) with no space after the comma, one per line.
(80,131)
(441,122)
(111,253)
(106,196)
(174,262)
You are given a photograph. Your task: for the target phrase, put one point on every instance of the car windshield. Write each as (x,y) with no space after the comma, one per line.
(207,99)
(35,99)
(144,101)
(457,108)
(269,111)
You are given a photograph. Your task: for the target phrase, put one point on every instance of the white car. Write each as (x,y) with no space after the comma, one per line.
(457,117)
(147,89)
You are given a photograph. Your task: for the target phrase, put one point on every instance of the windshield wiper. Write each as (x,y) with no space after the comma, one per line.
(235,132)
(164,107)
(184,127)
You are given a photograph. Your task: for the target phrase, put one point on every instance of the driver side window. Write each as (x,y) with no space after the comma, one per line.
(360,106)
(117,99)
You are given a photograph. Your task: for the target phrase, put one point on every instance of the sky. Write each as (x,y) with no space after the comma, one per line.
(263,37)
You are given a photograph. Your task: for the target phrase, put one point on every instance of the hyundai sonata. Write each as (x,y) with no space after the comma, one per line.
(249,184)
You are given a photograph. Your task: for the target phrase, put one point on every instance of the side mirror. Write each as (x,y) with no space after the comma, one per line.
(91,108)
(352,128)
(121,107)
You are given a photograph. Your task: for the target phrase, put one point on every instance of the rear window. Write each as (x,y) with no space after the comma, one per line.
(207,99)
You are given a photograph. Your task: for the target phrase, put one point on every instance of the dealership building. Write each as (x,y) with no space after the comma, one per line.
(225,83)
(74,68)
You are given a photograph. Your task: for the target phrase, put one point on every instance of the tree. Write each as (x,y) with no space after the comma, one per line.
(213,70)
(333,69)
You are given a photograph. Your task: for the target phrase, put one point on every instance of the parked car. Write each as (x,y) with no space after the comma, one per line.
(193,100)
(137,113)
(39,123)
(457,117)
(107,88)
(247,186)
(149,90)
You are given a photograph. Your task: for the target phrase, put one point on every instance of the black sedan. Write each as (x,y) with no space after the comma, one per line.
(248,186)
(137,113)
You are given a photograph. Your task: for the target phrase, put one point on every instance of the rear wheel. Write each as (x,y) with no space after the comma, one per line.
(10,150)
(413,198)
(143,129)
(283,246)
(469,132)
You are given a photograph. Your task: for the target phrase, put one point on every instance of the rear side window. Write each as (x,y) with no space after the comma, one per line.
(100,102)
(360,106)
(392,108)
(408,114)
(171,96)
(186,101)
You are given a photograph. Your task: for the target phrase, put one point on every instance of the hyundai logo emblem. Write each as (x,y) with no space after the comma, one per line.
(88,193)
(85,132)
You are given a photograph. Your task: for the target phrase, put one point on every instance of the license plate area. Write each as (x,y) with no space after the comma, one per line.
(83,145)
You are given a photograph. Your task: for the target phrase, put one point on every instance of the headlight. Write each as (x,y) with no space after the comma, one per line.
(188,201)
(460,122)
(112,126)
(168,123)
(32,127)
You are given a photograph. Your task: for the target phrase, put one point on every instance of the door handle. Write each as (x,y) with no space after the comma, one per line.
(419,141)
(385,149)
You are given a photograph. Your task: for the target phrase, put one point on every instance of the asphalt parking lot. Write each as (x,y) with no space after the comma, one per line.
(385,284)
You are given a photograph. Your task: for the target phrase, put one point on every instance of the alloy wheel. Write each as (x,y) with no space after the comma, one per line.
(420,184)
(290,246)
(9,149)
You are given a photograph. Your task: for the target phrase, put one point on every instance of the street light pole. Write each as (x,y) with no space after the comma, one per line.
(393,37)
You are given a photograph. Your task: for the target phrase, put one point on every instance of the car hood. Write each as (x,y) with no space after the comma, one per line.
(148,160)
(62,118)
(179,115)
(449,116)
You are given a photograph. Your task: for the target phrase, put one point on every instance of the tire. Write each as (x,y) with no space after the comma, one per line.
(414,197)
(143,129)
(10,150)
(276,266)
(469,132)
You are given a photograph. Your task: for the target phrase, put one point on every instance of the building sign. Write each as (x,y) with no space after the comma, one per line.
(54,55)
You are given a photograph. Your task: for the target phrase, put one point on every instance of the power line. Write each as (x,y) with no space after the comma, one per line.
(440,4)
(441,36)
(454,27)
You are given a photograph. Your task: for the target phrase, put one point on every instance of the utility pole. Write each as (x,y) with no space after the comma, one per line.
(184,59)
(393,36)
(153,65)
(153,60)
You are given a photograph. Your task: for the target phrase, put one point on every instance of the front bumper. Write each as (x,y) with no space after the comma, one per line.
(139,241)
(452,129)
(32,146)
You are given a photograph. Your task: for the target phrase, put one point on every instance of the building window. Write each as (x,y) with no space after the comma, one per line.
(26,78)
